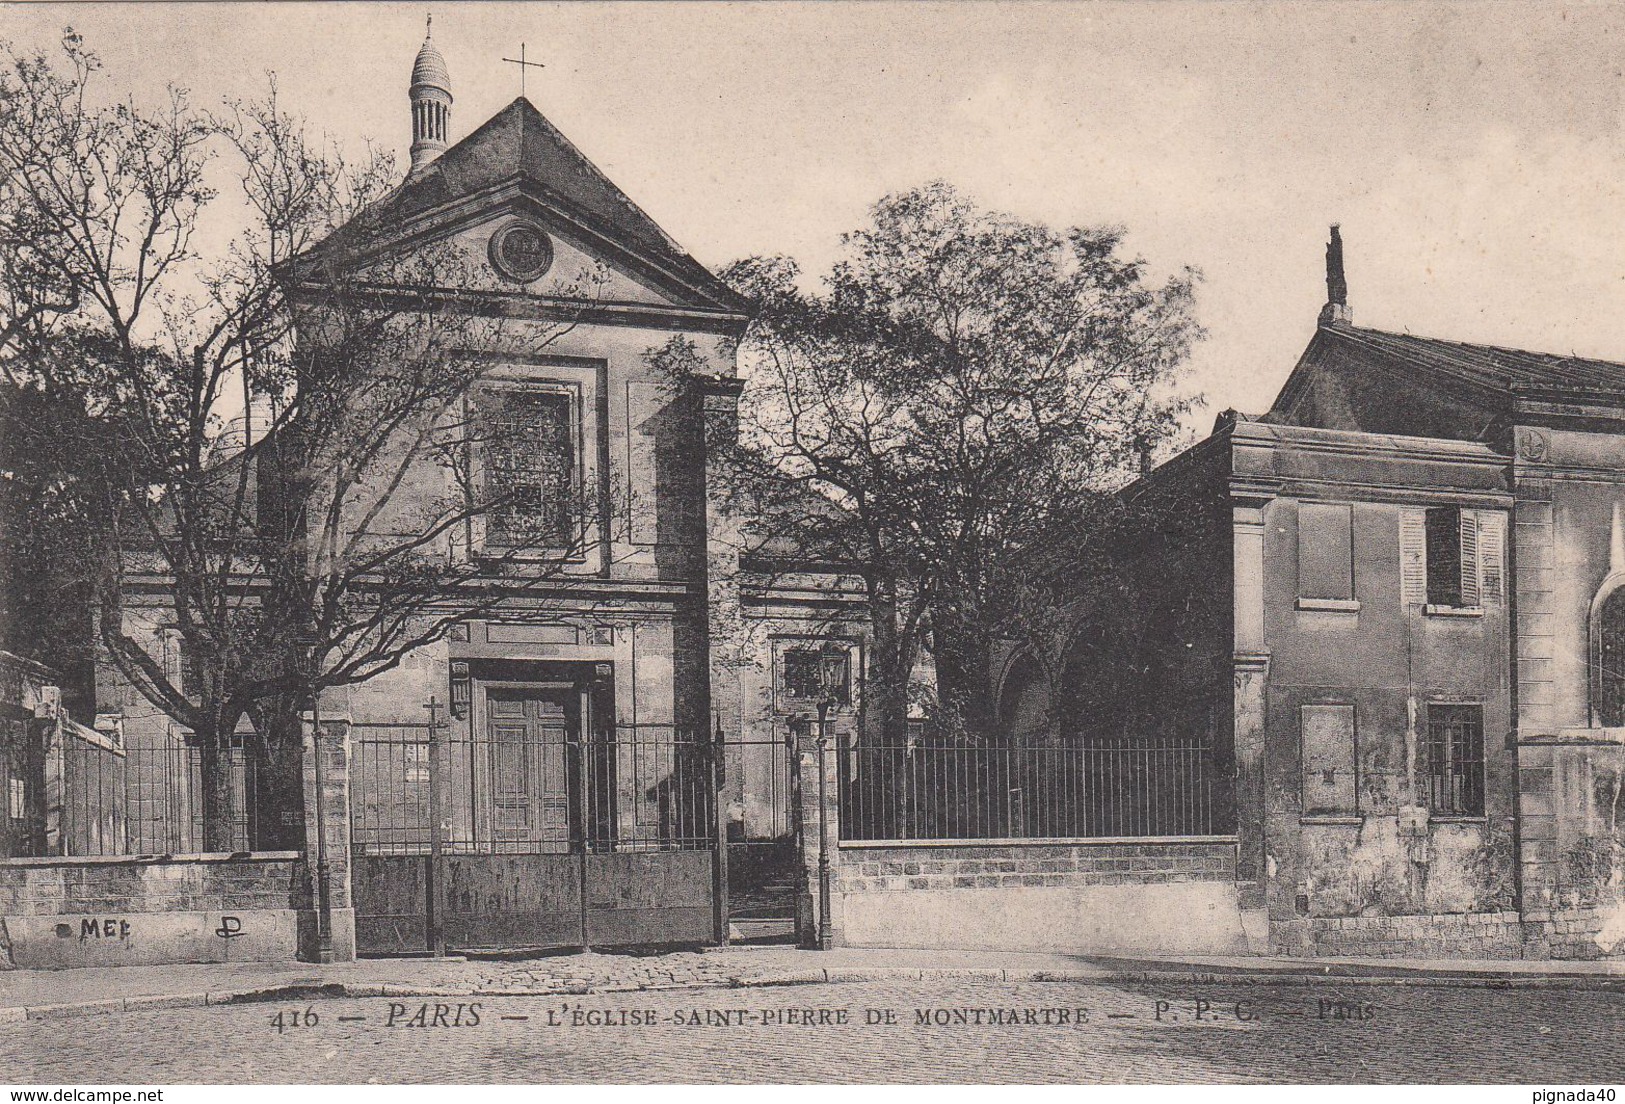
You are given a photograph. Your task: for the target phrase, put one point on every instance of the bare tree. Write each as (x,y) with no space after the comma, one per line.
(319,490)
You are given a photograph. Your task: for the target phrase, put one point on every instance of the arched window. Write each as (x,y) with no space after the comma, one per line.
(1026,704)
(1609,660)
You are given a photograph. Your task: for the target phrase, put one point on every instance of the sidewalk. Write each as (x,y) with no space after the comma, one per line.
(42,994)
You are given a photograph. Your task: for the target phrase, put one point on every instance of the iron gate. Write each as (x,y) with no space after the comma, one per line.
(765,882)
(532,832)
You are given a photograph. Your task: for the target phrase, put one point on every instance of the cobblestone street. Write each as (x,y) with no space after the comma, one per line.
(1130,1032)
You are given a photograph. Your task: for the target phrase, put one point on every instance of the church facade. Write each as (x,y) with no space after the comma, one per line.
(607,739)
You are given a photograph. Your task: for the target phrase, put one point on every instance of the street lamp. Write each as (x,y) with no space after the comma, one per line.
(324,881)
(831,683)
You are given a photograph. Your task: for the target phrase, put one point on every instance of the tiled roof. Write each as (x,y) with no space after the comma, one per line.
(1486,366)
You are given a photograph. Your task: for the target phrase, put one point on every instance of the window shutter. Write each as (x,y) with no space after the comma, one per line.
(1469,559)
(1413,557)
(1492,555)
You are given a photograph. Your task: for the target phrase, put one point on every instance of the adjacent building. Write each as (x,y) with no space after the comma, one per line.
(1392,599)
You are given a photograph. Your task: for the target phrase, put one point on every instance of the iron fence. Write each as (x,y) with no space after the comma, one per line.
(73,791)
(945,788)
(531,787)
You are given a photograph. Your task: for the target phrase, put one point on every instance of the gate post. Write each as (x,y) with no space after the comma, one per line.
(331,922)
(825,882)
(719,842)
(798,819)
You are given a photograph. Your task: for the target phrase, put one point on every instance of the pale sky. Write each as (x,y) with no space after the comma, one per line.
(1472,153)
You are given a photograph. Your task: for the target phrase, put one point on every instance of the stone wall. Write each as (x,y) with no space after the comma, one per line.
(1144,896)
(64,912)
(971,865)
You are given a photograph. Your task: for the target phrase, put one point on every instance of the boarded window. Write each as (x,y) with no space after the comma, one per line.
(1455,754)
(1329,756)
(530,469)
(1325,551)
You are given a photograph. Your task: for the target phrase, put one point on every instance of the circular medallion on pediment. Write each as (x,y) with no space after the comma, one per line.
(1533,446)
(521,251)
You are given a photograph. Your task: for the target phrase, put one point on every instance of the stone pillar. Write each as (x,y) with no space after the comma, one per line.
(47,828)
(1251,661)
(1537,844)
(327,849)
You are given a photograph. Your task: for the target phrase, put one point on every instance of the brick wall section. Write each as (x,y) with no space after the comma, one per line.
(64,887)
(1568,934)
(1457,935)
(882,869)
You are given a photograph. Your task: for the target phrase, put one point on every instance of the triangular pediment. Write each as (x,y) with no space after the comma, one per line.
(519,165)
(1349,379)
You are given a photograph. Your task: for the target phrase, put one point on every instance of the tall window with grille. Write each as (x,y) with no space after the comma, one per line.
(1609,664)
(1455,760)
(530,468)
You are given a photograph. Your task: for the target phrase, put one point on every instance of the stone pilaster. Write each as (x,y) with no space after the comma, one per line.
(724,623)
(327,835)
(1249,700)
(808,761)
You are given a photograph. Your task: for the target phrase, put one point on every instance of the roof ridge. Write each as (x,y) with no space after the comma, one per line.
(615,190)
(1478,345)
(1494,367)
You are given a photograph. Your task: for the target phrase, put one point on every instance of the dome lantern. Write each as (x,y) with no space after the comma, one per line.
(431,102)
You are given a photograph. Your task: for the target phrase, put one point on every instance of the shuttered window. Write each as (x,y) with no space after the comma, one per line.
(1451,557)
(1413,563)
(1330,782)
(1492,529)
(1325,551)
(1444,556)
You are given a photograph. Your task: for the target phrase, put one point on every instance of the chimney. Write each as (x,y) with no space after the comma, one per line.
(1336,309)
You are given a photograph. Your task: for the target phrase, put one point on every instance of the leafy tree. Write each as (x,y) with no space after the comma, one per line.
(965,388)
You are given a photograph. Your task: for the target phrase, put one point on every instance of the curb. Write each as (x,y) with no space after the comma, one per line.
(822,976)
